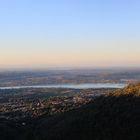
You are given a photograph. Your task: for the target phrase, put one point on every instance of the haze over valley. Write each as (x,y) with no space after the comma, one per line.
(69,70)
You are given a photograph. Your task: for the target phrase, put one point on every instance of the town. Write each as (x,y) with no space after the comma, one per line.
(28,104)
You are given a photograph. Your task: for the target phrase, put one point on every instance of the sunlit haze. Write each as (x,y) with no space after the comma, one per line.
(69,33)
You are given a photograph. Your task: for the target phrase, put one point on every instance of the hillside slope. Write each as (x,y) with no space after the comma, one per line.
(115,116)
(112,117)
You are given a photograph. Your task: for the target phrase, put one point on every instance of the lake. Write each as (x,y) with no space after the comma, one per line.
(72,86)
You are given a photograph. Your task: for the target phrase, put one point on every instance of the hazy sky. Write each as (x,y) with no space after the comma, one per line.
(41,33)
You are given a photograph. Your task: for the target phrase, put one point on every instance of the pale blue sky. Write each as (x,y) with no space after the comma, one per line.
(47,31)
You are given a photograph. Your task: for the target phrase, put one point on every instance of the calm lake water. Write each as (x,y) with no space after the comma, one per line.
(73,86)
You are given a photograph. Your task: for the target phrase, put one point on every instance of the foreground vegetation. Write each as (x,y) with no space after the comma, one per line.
(115,116)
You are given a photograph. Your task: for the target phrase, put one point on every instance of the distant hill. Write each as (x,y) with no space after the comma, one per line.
(115,116)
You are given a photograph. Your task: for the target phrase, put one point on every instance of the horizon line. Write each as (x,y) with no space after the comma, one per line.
(24,68)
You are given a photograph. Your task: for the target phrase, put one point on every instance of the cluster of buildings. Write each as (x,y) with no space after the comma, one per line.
(59,104)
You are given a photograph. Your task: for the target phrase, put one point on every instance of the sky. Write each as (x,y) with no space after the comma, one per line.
(69,33)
